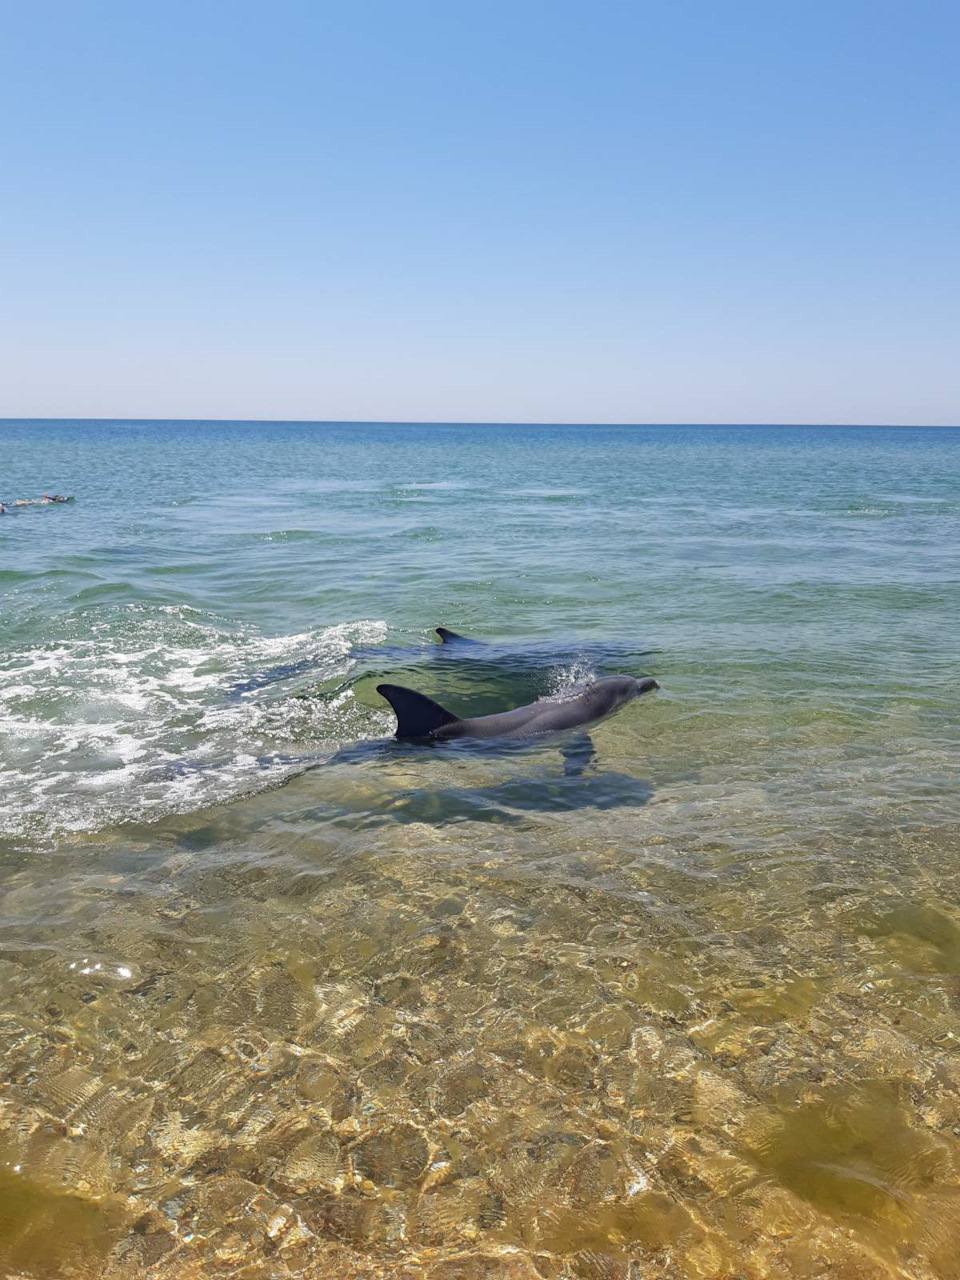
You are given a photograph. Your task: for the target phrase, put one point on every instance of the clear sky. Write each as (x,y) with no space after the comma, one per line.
(543,210)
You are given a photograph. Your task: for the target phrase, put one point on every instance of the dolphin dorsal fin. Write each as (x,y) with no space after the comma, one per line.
(417,715)
(448,637)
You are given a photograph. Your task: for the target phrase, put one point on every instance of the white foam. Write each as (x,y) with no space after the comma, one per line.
(90,727)
(567,682)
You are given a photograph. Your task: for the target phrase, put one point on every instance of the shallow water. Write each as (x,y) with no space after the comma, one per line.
(279,999)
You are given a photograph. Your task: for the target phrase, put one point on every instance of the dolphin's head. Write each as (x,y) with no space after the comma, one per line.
(609,695)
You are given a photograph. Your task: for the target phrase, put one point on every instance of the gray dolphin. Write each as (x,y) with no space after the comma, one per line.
(420,717)
(477,660)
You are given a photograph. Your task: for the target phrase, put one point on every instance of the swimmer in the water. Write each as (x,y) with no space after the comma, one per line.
(39,502)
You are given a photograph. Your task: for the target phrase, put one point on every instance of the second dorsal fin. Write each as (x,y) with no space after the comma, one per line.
(417,715)
(452,637)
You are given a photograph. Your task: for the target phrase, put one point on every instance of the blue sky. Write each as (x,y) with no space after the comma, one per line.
(473,210)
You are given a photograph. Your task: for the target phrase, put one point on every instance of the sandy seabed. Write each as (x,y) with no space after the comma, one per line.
(246,1044)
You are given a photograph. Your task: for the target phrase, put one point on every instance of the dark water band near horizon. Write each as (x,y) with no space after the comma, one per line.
(278,1000)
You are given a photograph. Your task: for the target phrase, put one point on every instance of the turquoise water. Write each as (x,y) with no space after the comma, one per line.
(789,578)
(462,1009)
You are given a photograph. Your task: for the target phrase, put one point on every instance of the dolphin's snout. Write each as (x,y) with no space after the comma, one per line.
(647,685)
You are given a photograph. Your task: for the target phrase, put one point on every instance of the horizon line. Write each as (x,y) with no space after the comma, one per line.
(490,422)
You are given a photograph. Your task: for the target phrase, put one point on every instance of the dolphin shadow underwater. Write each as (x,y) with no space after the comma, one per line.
(511,803)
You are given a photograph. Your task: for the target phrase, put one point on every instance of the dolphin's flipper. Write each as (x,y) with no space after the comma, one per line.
(451,637)
(578,754)
(417,715)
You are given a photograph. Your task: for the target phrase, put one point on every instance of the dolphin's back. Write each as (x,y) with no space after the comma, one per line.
(421,717)
(524,722)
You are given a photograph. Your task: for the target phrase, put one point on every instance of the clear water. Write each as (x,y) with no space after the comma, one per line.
(277,999)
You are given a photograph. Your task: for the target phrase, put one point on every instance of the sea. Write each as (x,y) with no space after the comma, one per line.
(282,997)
